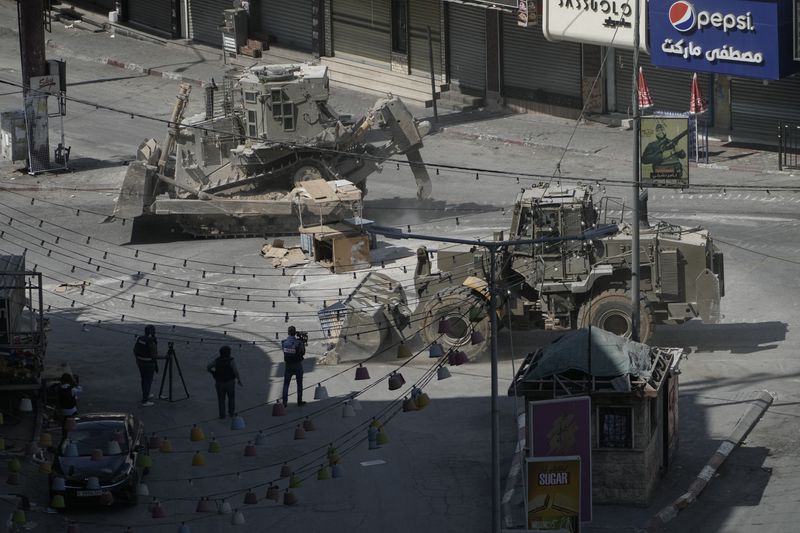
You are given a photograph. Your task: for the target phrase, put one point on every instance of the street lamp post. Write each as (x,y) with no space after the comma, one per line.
(635,260)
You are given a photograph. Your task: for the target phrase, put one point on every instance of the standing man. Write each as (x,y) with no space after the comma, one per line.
(146,352)
(293,351)
(226,375)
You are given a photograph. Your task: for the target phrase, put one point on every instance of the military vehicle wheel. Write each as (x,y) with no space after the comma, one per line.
(611,311)
(453,305)
(307,173)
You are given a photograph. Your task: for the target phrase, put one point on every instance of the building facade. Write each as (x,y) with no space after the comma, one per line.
(553,56)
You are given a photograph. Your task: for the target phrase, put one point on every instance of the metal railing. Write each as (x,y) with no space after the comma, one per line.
(788,146)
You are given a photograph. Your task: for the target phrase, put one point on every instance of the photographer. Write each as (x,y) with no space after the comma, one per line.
(294,349)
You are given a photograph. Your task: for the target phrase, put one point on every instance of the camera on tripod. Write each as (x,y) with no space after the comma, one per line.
(303,336)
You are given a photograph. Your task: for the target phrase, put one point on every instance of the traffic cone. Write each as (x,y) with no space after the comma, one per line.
(250,498)
(249,450)
(382,437)
(57,501)
(46,439)
(333,455)
(436,350)
(324,473)
(278,409)
(355,403)
(273,492)
(395,381)
(442,373)
(362,373)
(196,434)
(166,446)
(154,442)
(203,505)
(45,468)
(320,392)
(308,425)
(261,439)
(286,471)
(423,400)
(184,528)
(289,498)
(444,327)
(142,489)
(347,410)
(198,459)
(237,423)
(145,460)
(337,470)
(295,481)
(409,404)
(238,518)
(476,337)
(376,423)
(299,433)
(223,507)
(214,446)
(403,352)
(158,511)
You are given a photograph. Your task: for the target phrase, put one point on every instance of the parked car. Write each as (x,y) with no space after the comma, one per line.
(120,438)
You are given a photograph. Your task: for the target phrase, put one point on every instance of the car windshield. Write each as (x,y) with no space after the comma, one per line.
(97,436)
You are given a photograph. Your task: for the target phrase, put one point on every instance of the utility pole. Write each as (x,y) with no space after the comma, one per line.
(492,247)
(635,261)
(30,18)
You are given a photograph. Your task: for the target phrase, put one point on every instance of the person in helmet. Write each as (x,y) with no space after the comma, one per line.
(146,352)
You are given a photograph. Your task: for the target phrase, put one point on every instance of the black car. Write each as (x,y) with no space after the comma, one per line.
(116,470)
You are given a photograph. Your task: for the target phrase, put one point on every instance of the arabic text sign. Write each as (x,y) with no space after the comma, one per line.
(553,496)
(564,427)
(664,145)
(42,85)
(739,38)
(601,22)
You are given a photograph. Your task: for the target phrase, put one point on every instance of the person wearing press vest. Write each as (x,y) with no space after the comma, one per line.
(226,375)
(146,352)
(293,351)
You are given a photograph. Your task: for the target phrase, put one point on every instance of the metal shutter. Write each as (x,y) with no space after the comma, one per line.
(532,63)
(151,15)
(424,14)
(756,108)
(104,6)
(289,22)
(671,90)
(467,35)
(362,28)
(205,19)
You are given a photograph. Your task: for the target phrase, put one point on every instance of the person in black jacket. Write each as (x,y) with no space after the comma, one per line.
(146,352)
(293,351)
(226,375)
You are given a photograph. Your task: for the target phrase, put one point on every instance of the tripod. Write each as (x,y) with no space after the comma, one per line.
(172,360)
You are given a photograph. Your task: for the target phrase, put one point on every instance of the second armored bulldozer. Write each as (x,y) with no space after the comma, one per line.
(231,171)
(560,283)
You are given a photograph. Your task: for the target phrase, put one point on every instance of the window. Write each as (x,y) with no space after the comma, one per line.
(615,427)
(250,97)
(400,26)
(282,109)
(252,131)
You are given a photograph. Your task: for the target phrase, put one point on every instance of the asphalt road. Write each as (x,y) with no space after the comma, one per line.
(437,471)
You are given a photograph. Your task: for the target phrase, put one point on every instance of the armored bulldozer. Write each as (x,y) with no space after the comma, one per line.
(231,170)
(562,283)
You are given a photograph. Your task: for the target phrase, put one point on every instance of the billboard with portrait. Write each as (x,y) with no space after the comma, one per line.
(664,152)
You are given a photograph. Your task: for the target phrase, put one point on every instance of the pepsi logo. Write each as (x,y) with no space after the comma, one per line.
(682,16)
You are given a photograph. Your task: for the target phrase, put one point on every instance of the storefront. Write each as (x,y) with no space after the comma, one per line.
(748,44)
(466,32)
(538,70)
(288,24)
(205,19)
(389,33)
(159,17)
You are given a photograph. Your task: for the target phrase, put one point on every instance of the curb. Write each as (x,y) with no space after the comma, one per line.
(151,71)
(758,407)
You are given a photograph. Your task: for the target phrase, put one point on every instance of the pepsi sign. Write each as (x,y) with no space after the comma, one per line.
(740,38)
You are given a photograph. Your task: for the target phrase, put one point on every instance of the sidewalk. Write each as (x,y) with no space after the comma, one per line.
(95,39)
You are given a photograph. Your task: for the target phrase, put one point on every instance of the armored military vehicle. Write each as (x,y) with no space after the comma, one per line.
(267,129)
(558,283)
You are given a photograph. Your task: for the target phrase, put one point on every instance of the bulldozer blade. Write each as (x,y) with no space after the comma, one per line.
(135,195)
(424,186)
(358,326)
